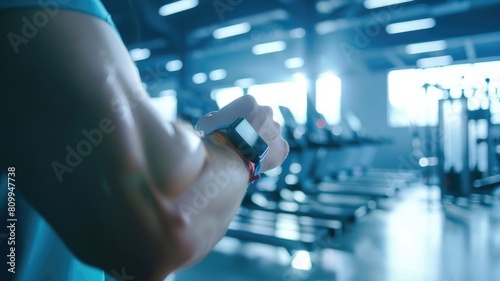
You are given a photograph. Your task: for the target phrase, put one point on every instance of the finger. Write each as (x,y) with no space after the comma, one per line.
(261,118)
(270,132)
(241,107)
(244,106)
(278,151)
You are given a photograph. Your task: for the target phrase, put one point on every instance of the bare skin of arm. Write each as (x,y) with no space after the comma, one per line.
(118,185)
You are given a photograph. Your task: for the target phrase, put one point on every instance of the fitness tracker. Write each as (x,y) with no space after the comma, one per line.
(243,137)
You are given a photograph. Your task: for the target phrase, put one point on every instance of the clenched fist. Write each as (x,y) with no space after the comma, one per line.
(261,119)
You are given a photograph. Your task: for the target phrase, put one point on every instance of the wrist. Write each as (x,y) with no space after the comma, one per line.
(219,140)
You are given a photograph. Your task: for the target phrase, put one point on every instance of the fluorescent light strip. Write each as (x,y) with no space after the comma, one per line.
(326,6)
(266,48)
(217,74)
(298,32)
(139,54)
(177,7)
(373,4)
(426,47)
(167,93)
(413,25)
(434,61)
(294,63)
(174,65)
(232,30)
(325,27)
(199,78)
(329,26)
(244,82)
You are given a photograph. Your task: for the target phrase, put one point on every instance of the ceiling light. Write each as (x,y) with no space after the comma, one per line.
(426,47)
(323,7)
(413,25)
(168,93)
(325,27)
(217,74)
(328,6)
(267,48)
(244,83)
(139,54)
(199,78)
(434,61)
(294,63)
(174,65)
(297,32)
(177,7)
(329,26)
(373,4)
(232,30)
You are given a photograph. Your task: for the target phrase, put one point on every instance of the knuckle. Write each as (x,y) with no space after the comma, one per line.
(267,133)
(250,99)
(253,111)
(287,147)
(267,110)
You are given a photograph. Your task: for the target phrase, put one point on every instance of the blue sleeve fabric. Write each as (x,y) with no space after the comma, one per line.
(91,7)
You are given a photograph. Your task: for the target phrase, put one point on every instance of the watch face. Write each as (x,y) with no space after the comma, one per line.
(251,137)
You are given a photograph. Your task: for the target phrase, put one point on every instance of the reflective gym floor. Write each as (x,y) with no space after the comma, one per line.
(412,238)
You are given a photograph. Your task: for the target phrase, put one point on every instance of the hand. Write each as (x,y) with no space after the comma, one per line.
(261,119)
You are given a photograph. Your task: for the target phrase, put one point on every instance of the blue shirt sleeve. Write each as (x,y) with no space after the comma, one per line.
(51,7)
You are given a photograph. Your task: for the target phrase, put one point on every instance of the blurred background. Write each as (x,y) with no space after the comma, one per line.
(391,109)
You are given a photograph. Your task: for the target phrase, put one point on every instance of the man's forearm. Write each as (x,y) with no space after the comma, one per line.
(192,222)
(209,205)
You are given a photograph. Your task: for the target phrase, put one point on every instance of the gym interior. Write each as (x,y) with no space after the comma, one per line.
(391,109)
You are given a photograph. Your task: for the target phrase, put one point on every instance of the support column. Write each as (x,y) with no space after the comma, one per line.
(311,62)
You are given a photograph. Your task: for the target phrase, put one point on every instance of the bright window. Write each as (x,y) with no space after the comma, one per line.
(289,94)
(328,91)
(226,95)
(410,103)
